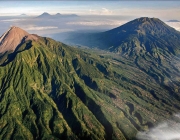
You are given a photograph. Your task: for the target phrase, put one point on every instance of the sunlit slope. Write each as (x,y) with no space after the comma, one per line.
(38,99)
(49,90)
(10,40)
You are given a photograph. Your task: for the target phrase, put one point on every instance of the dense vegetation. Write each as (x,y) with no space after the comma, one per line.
(49,90)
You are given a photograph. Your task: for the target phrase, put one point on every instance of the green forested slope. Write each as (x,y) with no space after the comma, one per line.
(49,90)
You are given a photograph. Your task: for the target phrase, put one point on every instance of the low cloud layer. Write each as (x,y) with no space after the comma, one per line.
(104,21)
(31,28)
(102,11)
(98,23)
(167,130)
(175,25)
(11,20)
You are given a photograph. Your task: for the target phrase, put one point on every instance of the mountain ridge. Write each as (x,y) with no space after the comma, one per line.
(49,90)
(57,15)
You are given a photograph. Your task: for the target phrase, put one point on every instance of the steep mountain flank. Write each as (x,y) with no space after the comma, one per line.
(49,90)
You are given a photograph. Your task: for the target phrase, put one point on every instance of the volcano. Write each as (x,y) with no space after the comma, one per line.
(49,90)
(10,40)
(134,38)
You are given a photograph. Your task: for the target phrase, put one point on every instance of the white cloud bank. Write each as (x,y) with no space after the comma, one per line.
(168,130)
(98,23)
(102,11)
(10,20)
(175,25)
(40,28)
(106,11)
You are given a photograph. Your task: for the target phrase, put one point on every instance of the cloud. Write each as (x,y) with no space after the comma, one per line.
(106,11)
(102,11)
(92,11)
(12,20)
(167,130)
(175,25)
(98,23)
(40,28)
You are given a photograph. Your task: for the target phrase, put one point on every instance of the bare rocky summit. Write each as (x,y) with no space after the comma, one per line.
(10,40)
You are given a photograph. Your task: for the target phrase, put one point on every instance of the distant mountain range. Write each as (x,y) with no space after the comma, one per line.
(58,15)
(49,90)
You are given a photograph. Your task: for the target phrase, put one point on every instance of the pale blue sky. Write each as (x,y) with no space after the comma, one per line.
(124,11)
(139,8)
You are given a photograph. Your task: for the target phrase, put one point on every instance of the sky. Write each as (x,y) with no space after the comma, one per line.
(160,9)
(93,15)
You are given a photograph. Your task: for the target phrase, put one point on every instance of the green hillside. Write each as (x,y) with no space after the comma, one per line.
(49,90)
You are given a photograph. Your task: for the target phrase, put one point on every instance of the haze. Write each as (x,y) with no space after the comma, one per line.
(125,85)
(93,16)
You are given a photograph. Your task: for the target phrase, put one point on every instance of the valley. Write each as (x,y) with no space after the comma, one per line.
(49,90)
